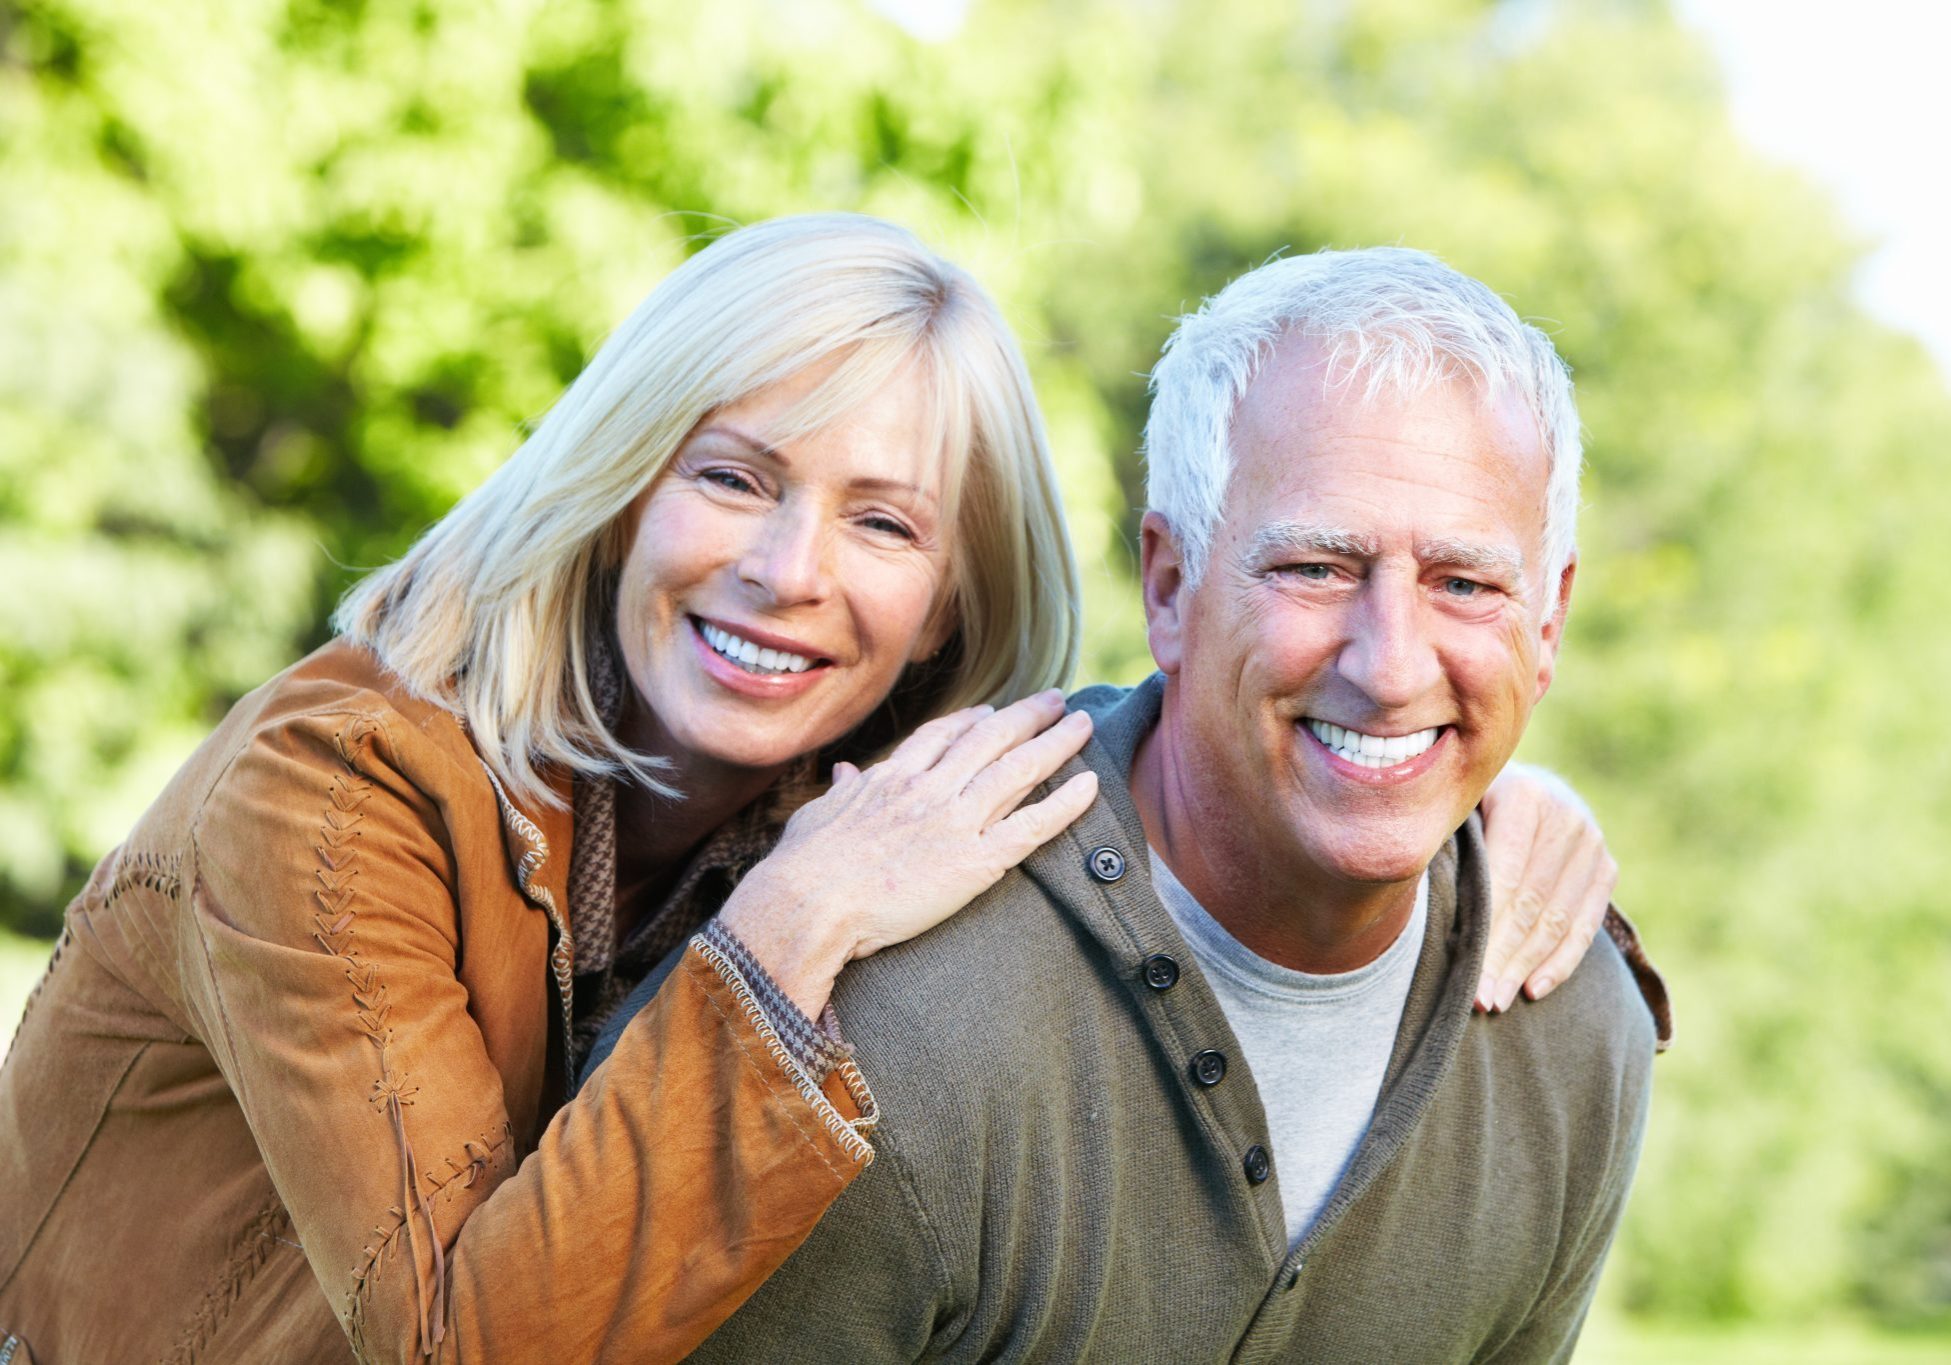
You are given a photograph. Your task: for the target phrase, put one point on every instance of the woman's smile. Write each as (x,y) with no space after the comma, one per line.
(776,584)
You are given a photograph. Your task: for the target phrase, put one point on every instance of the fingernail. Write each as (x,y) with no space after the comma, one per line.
(1506,993)
(1541,987)
(1486,993)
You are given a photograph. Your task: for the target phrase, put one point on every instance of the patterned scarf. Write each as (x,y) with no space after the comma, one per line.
(605,970)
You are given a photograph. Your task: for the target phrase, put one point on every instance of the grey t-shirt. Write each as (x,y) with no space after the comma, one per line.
(1318,1046)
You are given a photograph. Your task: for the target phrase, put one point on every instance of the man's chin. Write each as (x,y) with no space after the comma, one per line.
(1382,858)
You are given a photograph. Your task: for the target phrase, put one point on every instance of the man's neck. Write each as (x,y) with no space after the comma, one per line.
(1282,908)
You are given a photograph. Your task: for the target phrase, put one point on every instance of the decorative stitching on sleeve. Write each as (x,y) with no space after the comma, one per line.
(477,1156)
(334,928)
(264,1231)
(848,1133)
(47,975)
(158,872)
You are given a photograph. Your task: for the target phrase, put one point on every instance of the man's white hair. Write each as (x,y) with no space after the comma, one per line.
(1389,318)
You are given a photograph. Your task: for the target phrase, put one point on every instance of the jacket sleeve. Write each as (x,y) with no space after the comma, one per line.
(319,965)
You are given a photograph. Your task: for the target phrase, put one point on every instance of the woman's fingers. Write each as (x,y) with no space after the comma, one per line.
(924,748)
(1556,958)
(993,736)
(1018,836)
(998,788)
(1511,834)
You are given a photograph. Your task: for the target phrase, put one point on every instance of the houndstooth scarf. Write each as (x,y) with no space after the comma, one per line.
(605,970)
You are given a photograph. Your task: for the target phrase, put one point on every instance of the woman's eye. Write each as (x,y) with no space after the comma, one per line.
(731,479)
(887,525)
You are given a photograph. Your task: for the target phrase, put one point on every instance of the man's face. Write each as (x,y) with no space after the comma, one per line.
(1373,627)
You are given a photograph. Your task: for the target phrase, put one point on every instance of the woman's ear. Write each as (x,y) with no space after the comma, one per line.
(937,631)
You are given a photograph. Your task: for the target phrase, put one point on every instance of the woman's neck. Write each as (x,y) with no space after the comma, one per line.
(655,834)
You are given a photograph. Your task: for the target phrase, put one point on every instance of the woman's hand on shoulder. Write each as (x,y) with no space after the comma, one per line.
(1551,879)
(893,850)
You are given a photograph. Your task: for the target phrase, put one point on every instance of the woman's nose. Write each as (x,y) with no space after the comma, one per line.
(1388,653)
(786,560)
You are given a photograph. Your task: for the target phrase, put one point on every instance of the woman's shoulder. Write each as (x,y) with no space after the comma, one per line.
(343,698)
(335,722)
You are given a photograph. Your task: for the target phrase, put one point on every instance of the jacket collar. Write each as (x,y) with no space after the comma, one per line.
(1126,918)
(537,840)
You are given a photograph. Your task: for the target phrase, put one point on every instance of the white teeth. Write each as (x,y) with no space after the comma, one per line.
(750,656)
(1372,751)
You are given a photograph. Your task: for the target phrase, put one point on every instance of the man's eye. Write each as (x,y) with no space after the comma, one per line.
(1317,572)
(1463,587)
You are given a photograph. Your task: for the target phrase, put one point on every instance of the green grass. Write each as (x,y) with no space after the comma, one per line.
(1625,1341)
(21,962)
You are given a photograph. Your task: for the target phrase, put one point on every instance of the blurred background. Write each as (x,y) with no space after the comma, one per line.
(281,279)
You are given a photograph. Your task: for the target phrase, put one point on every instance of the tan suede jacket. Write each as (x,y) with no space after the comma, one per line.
(295,1079)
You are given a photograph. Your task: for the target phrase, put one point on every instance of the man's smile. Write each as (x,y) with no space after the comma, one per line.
(1373,751)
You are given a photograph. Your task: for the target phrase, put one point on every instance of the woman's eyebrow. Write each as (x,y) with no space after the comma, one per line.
(757,446)
(872,482)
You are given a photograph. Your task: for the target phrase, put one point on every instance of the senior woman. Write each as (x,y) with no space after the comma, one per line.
(299,1075)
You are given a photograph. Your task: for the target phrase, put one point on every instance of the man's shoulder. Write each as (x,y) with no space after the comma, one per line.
(964,989)
(1595,1030)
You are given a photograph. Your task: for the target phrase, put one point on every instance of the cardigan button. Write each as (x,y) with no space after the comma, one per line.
(1106,864)
(1258,1166)
(1208,1067)
(1161,972)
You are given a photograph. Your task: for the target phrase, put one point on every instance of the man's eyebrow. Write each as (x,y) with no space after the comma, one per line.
(1463,554)
(778,457)
(1282,539)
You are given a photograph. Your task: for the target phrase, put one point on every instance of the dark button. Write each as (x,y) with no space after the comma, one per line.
(1209,1067)
(1294,1276)
(1257,1164)
(1161,972)
(1107,864)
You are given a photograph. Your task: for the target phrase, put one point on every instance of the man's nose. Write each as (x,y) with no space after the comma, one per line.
(1389,653)
(787,560)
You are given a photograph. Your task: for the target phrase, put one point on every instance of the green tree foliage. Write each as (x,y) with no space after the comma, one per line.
(280,279)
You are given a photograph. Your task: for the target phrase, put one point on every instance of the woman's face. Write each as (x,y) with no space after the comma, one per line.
(773,589)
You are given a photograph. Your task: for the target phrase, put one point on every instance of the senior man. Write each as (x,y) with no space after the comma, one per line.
(1202,1081)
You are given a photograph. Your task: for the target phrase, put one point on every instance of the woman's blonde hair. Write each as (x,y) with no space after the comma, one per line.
(494,611)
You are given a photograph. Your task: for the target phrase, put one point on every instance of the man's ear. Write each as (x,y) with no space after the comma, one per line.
(1161,568)
(1552,633)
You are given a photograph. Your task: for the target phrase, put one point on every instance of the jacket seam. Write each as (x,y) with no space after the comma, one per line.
(61,946)
(27,1247)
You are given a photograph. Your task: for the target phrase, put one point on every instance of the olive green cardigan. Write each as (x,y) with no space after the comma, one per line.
(1057,1182)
